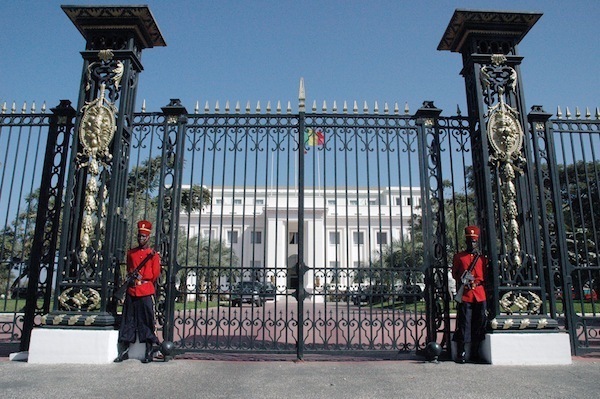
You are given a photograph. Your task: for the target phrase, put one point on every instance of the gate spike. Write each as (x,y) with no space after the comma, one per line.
(334,109)
(258,107)
(386,109)
(301,97)
(248,107)
(4,107)
(458,112)
(278,106)
(217,106)
(289,107)
(206,108)
(597,113)
(355,108)
(324,106)
(365,107)
(577,113)
(396,109)
(14,107)
(559,113)
(24,109)
(33,107)
(144,105)
(406,110)
(43,107)
(314,106)
(345,107)
(588,115)
(237,107)
(376,108)
(568,113)
(197,107)
(268,107)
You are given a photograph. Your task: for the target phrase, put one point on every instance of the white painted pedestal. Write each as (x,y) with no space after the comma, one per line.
(77,346)
(525,349)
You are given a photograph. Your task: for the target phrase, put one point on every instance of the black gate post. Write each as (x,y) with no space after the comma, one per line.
(434,225)
(167,218)
(505,185)
(45,238)
(92,239)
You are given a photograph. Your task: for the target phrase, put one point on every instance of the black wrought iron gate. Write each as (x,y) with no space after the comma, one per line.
(298,232)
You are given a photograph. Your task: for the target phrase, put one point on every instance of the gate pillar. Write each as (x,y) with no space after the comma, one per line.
(505,186)
(93,227)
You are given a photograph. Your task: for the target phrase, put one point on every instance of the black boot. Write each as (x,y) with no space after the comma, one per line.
(149,353)
(123,348)
(460,353)
(475,356)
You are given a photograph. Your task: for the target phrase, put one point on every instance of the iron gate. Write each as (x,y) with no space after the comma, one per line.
(330,319)
(320,213)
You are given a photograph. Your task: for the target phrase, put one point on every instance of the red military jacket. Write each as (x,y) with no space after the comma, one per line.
(460,263)
(149,272)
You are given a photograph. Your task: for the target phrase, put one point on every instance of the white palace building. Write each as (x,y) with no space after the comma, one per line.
(343,230)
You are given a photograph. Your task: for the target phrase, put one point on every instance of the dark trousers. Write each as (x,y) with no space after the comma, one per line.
(138,319)
(470,322)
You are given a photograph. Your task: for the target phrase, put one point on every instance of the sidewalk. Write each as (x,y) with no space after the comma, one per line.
(186,378)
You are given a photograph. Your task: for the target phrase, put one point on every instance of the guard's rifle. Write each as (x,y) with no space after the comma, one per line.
(131,277)
(466,278)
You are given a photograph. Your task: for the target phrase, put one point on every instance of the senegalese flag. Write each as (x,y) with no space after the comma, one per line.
(312,138)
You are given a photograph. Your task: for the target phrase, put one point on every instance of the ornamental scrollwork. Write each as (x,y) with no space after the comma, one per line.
(512,302)
(79,299)
(96,132)
(505,136)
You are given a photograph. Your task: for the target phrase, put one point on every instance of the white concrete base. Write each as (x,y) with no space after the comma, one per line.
(527,349)
(18,356)
(72,346)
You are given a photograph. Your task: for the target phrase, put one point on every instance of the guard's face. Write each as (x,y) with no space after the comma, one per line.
(143,239)
(472,244)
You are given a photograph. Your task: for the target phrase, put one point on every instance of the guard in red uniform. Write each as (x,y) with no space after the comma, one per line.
(471,311)
(138,309)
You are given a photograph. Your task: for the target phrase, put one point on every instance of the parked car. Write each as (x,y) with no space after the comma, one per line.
(371,294)
(411,293)
(268,291)
(247,292)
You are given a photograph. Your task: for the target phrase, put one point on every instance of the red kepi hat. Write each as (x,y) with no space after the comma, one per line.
(144,226)
(472,232)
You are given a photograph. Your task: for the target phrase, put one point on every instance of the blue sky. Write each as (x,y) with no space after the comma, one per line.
(383,51)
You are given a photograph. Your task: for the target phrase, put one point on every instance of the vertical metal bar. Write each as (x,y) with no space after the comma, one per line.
(300,267)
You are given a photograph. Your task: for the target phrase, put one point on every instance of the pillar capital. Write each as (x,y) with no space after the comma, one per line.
(467,24)
(138,21)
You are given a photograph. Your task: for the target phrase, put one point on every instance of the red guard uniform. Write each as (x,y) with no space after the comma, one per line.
(149,272)
(461,262)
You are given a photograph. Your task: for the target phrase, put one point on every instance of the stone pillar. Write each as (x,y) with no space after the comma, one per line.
(94,225)
(505,187)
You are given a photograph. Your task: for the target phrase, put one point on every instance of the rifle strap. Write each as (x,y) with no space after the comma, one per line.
(472,265)
(146,259)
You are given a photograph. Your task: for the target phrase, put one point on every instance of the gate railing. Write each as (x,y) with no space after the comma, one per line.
(34,148)
(240,190)
(323,206)
(576,285)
